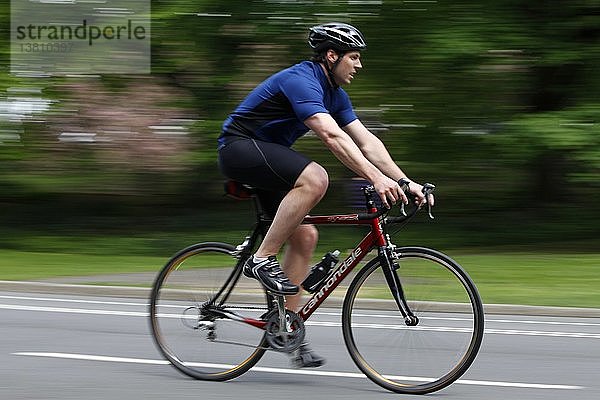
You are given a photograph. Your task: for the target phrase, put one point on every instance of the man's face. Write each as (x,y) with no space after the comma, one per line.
(347,67)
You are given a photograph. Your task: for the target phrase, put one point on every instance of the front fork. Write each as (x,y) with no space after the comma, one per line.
(390,271)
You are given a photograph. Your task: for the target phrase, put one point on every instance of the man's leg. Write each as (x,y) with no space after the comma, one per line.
(309,189)
(298,253)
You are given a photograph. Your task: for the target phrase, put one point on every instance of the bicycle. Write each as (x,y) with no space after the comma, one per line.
(218,329)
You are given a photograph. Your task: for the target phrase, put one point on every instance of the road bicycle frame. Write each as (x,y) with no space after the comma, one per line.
(375,238)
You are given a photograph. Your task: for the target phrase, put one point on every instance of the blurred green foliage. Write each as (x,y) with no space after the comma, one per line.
(494,101)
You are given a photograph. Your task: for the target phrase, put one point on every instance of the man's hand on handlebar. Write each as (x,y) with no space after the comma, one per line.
(392,192)
(418,192)
(389,191)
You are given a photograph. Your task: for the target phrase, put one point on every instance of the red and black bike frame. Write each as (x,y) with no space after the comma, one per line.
(375,238)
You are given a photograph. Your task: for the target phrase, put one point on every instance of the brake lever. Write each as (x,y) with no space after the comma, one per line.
(402,210)
(428,189)
(403,182)
(429,211)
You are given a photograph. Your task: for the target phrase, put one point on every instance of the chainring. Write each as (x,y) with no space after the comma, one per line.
(283,340)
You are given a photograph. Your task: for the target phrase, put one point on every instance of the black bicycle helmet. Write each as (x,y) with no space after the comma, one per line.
(337,36)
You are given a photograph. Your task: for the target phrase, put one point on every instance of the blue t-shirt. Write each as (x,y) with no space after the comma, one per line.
(275,110)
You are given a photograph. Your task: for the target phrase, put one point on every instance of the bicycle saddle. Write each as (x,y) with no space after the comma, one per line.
(238,190)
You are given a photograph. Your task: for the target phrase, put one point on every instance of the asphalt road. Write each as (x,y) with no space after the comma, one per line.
(81,347)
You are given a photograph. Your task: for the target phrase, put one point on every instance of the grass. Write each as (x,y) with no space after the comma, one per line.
(524,277)
(551,279)
(20,265)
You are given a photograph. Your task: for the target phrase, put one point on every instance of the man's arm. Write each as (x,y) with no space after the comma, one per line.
(347,151)
(375,151)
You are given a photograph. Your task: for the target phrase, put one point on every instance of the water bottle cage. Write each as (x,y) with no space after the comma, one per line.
(315,287)
(320,272)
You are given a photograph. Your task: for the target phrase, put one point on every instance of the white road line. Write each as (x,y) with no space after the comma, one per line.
(88,357)
(578,335)
(487,320)
(73,310)
(334,314)
(116,303)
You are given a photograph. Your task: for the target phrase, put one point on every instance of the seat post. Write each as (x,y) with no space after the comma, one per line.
(258,208)
(241,191)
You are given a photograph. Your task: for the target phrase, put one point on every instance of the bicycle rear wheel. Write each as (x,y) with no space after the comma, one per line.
(191,308)
(430,355)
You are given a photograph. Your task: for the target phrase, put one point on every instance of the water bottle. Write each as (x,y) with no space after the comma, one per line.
(320,271)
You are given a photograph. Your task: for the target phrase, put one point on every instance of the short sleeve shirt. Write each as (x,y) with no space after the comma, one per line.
(275,110)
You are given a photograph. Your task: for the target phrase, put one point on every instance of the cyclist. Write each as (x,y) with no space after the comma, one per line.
(255,148)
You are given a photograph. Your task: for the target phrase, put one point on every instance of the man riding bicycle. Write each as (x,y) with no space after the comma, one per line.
(255,148)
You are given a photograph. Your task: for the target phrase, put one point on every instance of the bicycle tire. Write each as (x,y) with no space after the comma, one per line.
(424,358)
(186,284)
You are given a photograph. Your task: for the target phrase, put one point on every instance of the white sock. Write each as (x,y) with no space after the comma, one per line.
(256,260)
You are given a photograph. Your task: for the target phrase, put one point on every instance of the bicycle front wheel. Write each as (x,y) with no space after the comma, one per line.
(197,309)
(434,352)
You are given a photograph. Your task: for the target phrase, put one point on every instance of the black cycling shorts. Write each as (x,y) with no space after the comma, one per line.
(270,167)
